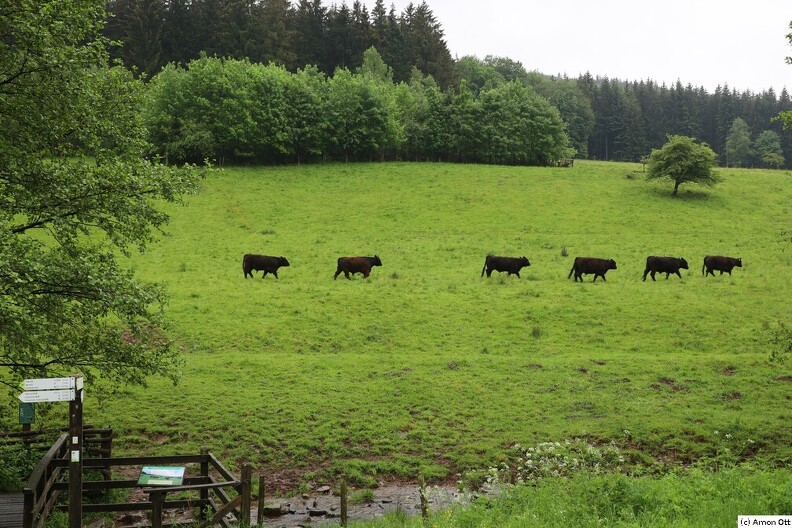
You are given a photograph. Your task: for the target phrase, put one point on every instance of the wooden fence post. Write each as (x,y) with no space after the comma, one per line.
(344,498)
(204,493)
(422,494)
(245,490)
(156,509)
(260,516)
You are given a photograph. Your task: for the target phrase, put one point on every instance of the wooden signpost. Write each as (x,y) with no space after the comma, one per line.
(71,390)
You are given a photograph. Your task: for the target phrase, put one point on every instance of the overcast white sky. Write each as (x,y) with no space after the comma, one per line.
(701,42)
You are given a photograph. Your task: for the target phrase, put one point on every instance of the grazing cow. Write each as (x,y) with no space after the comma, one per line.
(588,265)
(269,264)
(716,263)
(667,265)
(352,265)
(500,264)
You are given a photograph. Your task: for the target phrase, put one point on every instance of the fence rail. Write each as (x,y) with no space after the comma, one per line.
(210,488)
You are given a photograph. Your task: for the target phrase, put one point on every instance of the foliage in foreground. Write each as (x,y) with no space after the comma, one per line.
(689,498)
(75,191)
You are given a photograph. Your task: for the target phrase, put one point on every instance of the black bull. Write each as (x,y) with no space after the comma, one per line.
(588,265)
(512,265)
(352,265)
(269,264)
(717,263)
(667,265)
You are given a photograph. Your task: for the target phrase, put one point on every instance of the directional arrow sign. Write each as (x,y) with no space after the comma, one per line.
(47,396)
(49,384)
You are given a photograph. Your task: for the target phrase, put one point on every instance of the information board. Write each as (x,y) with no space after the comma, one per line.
(161,476)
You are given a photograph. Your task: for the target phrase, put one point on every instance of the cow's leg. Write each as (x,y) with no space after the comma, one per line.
(646,272)
(264,274)
(276,274)
(678,274)
(652,273)
(518,274)
(346,274)
(603,277)
(489,272)
(338,271)
(667,274)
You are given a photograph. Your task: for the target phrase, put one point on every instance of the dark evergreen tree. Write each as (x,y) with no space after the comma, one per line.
(276,34)
(424,45)
(140,27)
(609,121)
(339,45)
(310,39)
(178,41)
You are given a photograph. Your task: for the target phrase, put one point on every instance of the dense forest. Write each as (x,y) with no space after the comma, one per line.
(609,119)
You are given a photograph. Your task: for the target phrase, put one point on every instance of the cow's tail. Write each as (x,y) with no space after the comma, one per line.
(703,266)
(484,268)
(571,271)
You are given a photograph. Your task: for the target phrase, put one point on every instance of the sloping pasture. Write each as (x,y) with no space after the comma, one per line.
(427,367)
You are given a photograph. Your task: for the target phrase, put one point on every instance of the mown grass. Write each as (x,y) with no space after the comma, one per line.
(425,367)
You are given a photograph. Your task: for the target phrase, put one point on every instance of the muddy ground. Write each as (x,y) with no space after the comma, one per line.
(319,507)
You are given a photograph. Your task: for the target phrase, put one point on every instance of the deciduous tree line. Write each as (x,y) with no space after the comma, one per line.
(238,111)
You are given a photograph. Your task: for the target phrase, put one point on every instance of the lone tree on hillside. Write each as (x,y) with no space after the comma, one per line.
(682,160)
(76,190)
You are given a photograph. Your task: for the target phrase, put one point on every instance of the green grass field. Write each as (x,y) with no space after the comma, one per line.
(425,367)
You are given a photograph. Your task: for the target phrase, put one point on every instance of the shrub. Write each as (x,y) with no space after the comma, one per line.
(18,464)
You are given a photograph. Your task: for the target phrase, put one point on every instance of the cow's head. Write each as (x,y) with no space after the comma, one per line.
(738,262)
(283,262)
(377,261)
(524,261)
(612,264)
(683,264)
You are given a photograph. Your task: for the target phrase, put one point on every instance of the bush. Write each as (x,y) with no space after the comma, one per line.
(18,464)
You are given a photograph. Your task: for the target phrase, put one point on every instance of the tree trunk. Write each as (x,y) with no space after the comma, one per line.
(676,187)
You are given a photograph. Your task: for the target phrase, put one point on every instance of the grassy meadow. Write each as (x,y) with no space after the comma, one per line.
(425,367)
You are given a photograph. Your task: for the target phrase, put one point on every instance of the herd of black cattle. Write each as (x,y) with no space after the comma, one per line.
(512,265)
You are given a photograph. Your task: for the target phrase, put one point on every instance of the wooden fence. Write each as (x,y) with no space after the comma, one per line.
(210,492)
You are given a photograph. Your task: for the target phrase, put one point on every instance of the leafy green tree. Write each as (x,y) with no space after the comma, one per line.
(75,190)
(357,117)
(574,107)
(518,126)
(682,160)
(767,149)
(738,144)
(477,75)
(306,127)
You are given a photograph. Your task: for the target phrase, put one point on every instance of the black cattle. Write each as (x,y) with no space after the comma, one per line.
(511,264)
(587,265)
(352,265)
(269,264)
(667,265)
(716,263)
